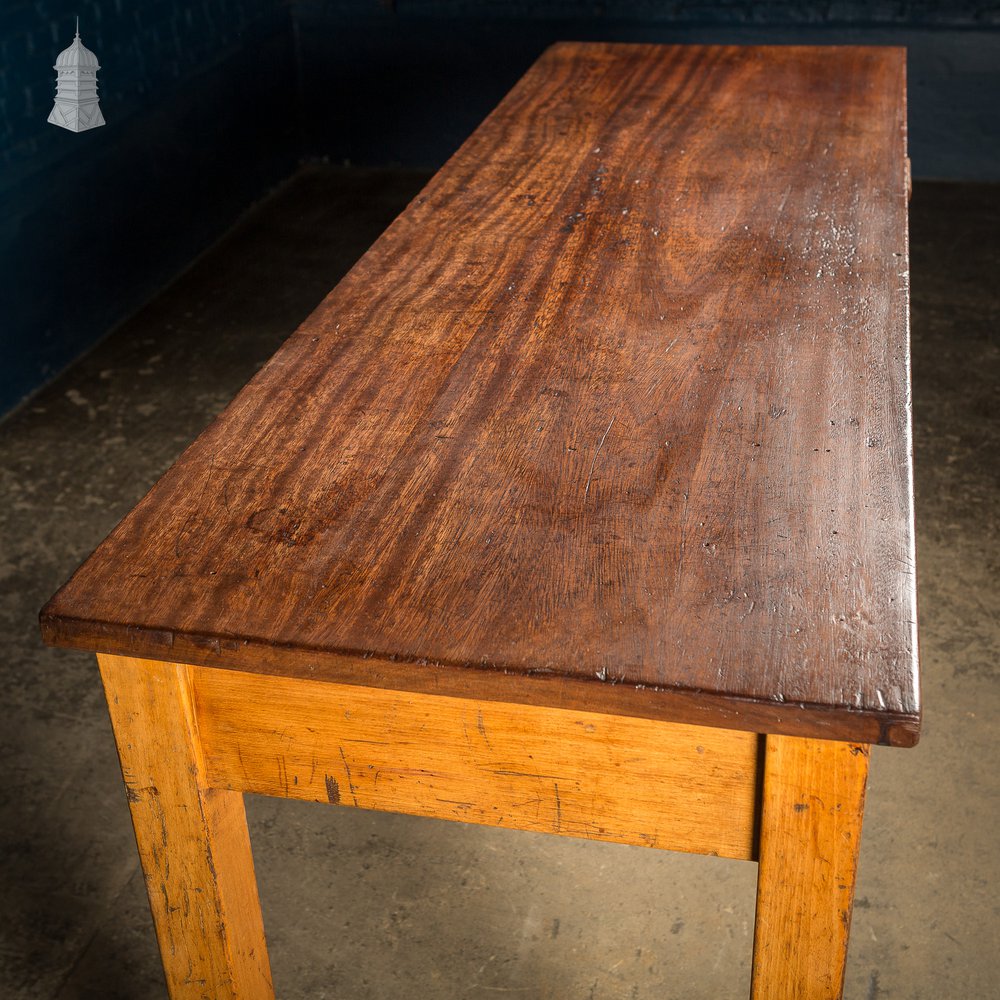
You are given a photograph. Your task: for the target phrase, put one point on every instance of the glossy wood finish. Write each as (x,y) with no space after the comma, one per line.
(615,416)
(193,840)
(630,781)
(812,805)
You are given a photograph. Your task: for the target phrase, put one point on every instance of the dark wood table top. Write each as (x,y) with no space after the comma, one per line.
(616,416)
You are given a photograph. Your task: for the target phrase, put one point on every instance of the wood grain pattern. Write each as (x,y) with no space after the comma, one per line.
(630,781)
(619,403)
(811,812)
(193,840)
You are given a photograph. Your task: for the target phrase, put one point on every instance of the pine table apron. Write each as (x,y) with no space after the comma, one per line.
(193,739)
(582,505)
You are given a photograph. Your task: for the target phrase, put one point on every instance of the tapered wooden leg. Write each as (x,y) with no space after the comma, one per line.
(811,811)
(193,840)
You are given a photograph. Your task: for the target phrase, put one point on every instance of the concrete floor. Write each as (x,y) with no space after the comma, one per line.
(363,905)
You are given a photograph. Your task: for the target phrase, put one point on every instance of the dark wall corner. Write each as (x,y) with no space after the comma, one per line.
(210,103)
(199,100)
(406,82)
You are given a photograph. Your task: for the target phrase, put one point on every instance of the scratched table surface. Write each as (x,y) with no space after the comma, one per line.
(614,416)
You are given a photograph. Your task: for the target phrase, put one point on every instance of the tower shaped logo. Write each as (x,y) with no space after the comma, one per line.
(76,106)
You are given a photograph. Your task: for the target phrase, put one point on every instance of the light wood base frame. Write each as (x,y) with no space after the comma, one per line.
(193,739)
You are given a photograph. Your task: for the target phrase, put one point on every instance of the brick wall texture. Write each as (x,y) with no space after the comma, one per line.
(208,102)
(145,48)
(839,13)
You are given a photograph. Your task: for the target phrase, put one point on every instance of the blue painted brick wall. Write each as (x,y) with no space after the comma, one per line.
(208,102)
(145,47)
(198,96)
(421,73)
(915,13)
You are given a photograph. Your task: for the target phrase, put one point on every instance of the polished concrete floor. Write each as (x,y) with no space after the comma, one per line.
(363,905)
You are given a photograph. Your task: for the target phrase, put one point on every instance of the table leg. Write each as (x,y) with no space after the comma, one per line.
(811,812)
(193,840)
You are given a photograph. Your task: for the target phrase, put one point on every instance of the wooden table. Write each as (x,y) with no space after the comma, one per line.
(582,504)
